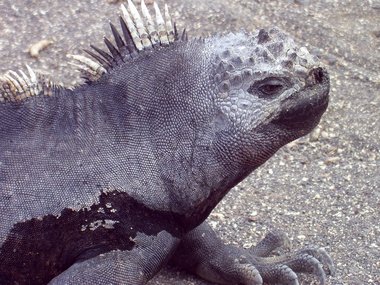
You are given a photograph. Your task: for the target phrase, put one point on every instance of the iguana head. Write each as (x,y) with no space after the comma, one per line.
(270,90)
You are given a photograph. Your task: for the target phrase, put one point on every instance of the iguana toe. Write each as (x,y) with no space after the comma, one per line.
(272,241)
(279,274)
(229,271)
(322,256)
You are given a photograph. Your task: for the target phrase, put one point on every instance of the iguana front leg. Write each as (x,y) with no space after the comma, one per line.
(202,252)
(133,267)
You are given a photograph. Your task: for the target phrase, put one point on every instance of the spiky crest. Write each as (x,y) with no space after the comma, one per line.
(16,87)
(139,33)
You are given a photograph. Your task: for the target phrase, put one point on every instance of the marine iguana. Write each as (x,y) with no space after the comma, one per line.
(106,182)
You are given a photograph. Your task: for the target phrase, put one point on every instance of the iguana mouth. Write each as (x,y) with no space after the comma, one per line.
(307,106)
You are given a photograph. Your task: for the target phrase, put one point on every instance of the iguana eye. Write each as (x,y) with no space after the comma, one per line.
(268,87)
(271,88)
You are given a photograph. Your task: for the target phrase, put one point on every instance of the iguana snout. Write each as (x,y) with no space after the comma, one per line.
(306,107)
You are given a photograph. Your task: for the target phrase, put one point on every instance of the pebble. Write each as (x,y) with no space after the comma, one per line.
(36,48)
(302,2)
(324,134)
(315,134)
(332,160)
(331,60)
(376,34)
(217,216)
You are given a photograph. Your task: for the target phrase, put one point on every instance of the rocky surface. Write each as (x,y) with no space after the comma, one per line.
(323,189)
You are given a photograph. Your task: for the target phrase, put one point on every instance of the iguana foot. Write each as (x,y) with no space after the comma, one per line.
(206,255)
(132,267)
(282,269)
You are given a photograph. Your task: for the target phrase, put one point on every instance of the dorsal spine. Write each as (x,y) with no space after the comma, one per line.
(139,33)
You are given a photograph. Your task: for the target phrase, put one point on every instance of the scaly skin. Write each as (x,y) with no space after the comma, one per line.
(103,183)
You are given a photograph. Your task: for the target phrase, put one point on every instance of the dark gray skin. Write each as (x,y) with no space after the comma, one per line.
(103,184)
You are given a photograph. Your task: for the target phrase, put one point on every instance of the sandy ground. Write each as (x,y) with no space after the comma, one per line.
(322,189)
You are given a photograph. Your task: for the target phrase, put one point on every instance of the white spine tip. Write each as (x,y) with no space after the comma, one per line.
(169,25)
(150,25)
(131,27)
(33,76)
(162,33)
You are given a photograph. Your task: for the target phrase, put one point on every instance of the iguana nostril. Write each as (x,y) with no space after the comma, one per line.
(318,75)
